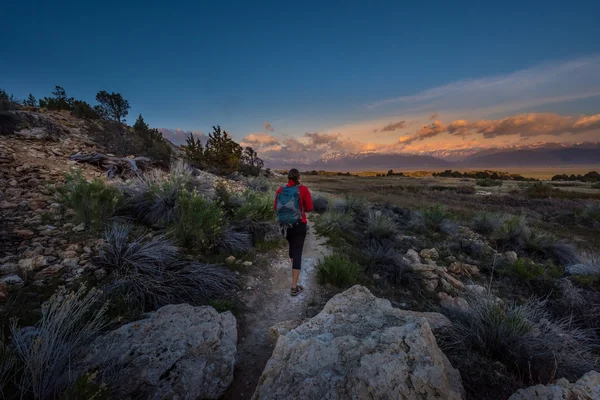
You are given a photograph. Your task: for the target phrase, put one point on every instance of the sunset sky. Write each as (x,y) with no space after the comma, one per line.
(297,80)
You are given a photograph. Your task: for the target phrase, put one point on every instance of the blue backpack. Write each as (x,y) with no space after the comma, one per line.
(288,205)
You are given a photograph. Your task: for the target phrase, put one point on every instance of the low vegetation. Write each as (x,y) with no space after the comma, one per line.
(93,202)
(509,345)
(338,270)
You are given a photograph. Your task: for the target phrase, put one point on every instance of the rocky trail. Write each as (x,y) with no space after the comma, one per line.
(266,301)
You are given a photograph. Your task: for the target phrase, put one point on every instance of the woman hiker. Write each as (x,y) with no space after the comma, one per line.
(292,202)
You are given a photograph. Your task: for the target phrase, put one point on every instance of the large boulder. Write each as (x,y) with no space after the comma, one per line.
(586,388)
(359,347)
(177,352)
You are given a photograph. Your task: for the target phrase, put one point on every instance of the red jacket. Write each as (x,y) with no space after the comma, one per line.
(306,203)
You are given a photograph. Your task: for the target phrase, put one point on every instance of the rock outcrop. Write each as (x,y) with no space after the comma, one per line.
(586,388)
(359,347)
(177,352)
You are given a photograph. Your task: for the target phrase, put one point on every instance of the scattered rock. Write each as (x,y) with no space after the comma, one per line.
(359,347)
(79,228)
(178,352)
(30,264)
(49,272)
(413,256)
(8,268)
(448,301)
(476,290)
(247,264)
(24,233)
(460,268)
(13,281)
(511,256)
(586,388)
(230,260)
(70,262)
(429,254)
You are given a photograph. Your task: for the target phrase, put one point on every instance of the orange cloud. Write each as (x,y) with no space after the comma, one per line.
(434,129)
(259,139)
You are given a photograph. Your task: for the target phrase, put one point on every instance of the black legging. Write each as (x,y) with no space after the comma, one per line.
(295,237)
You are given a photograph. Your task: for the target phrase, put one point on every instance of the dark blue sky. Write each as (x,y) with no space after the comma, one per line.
(303,66)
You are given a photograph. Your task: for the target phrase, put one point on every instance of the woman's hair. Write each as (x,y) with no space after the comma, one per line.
(294,175)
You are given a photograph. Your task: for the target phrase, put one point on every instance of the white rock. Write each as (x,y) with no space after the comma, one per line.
(247,264)
(586,388)
(230,260)
(413,256)
(359,347)
(178,352)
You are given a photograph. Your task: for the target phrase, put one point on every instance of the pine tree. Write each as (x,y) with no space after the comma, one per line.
(222,154)
(30,101)
(194,152)
(112,105)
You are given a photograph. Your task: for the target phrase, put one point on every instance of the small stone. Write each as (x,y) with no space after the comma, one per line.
(49,272)
(70,262)
(29,264)
(511,256)
(12,281)
(23,233)
(476,289)
(87,250)
(5,205)
(79,228)
(8,268)
(460,268)
(230,260)
(247,264)
(100,273)
(413,256)
(448,301)
(238,262)
(429,254)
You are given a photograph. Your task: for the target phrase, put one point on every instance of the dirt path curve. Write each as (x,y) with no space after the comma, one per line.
(267,301)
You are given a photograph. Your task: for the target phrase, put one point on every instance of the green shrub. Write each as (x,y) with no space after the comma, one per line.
(525,269)
(381,226)
(93,202)
(338,271)
(199,223)
(596,185)
(487,223)
(434,219)
(488,182)
(334,222)
(514,232)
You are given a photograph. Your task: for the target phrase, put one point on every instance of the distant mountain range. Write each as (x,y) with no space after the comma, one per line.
(532,155)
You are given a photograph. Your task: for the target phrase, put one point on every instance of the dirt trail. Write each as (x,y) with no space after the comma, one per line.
(267,301)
